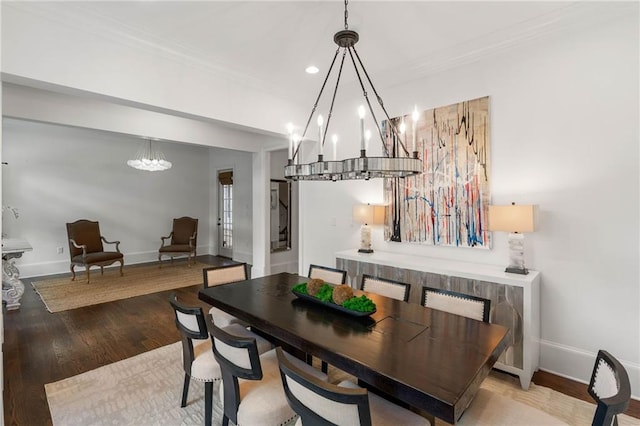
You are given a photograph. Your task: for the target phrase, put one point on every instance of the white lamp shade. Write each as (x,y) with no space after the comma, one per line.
(512,218)
(368,214)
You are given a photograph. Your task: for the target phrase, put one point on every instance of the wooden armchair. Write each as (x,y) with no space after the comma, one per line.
(184,238)
(86,248)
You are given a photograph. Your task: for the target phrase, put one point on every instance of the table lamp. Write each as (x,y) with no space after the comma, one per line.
(367,215)
(516,220)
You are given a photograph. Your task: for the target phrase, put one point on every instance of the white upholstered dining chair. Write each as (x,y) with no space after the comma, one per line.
(219,275)
(251,391)
(474,307)
(321,403)
(197,354)
(609,387)
(385,287)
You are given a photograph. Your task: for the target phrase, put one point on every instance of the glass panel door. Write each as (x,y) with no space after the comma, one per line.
(225,213)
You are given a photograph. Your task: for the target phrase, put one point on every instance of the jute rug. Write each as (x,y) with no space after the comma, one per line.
(61,294)
(146,390)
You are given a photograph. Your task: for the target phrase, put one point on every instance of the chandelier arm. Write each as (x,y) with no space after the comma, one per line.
(333,98)
(366,97)
(315,105)
(393,127)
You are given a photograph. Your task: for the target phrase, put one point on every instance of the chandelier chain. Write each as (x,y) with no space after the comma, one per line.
(346,15)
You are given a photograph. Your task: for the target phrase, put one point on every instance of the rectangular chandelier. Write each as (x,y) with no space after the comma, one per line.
(400,164)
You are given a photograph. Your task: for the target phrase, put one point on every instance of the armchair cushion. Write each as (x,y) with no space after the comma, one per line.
(97,257)
(176,248)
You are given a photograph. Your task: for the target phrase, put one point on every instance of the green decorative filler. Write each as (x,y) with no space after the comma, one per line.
(300,288)
(357,303)
(360,304)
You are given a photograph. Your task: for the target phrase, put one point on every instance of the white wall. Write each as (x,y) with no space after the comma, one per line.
(564,125)
(59,174)
(241,163)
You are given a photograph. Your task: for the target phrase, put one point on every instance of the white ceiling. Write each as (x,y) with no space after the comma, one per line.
(271,43)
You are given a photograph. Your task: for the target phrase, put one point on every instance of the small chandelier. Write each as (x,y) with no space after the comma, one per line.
(149,160)
(397,162)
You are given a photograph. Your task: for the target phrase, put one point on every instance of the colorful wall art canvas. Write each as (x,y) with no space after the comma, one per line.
(447,204)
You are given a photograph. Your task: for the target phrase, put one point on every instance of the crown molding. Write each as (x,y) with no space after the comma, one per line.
(574,16)
(76,17)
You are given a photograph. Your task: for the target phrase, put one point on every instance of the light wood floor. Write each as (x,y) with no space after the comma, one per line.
(41,347)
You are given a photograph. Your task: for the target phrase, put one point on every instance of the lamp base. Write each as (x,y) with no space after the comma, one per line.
(516,270)
(365,240)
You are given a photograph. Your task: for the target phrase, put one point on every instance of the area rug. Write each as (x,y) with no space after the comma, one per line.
(146,390)
(61,294)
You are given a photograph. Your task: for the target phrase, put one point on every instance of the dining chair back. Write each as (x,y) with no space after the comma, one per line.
(251,390)
(385,287)
(321,403)
(225,274)
(474,307)
(610,388)
(329,275)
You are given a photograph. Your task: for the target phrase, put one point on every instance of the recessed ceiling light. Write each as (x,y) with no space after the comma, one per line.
(312,69)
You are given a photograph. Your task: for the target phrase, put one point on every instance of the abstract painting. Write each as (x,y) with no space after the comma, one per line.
(447,204)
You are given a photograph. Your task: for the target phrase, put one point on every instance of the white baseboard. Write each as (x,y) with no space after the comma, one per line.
(577,364)
(291,266)
(28,270)
(240,256)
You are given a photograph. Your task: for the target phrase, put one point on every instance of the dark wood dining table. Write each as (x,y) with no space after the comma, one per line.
(429,359)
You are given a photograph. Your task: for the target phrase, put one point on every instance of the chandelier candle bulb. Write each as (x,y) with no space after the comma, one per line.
(361,114)
(415,117)
(320,121)
(296,144)
(334,138)
(367,137)
(290,132)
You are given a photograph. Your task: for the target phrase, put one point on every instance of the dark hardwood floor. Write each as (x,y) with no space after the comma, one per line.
(41,347)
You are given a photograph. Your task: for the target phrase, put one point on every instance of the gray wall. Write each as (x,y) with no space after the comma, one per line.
(60,174)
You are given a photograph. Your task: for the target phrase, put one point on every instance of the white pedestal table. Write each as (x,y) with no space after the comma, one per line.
(12,287)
